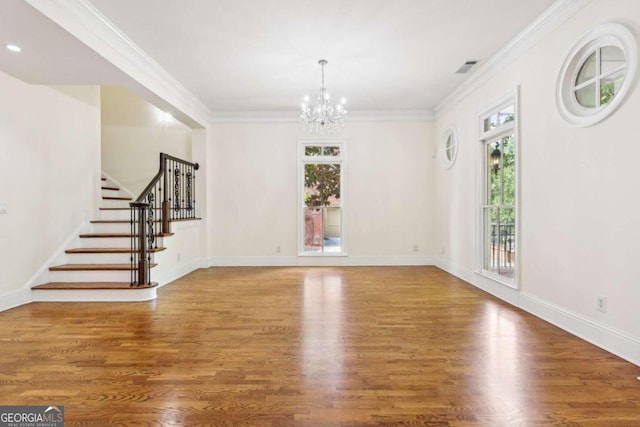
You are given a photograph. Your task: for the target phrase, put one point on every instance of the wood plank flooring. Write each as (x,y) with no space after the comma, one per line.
(311,347)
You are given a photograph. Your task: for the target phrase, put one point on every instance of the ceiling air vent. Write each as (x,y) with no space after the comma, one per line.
(466,67)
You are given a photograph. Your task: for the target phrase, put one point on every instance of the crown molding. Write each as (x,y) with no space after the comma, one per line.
(292,116)
(82,20)
(550,19)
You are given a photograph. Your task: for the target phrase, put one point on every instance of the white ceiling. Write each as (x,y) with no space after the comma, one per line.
(261,55)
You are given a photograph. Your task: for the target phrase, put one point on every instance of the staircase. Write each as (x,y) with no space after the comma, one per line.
(98,267)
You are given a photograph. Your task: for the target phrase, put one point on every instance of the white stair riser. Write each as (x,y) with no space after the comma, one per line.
(113,215)
(111,193)
(117,214)
(111,242)
(90,276)
(114,203)
(111,227)
(96,242)
(143,294)
(101,258)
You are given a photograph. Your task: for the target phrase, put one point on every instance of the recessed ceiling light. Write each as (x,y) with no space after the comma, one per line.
(14,48)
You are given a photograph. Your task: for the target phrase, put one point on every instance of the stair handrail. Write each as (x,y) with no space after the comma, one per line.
(176,206)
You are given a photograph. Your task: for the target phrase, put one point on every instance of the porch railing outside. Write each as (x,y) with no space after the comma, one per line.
(502,246)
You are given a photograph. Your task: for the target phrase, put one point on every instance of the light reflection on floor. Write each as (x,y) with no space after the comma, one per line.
(322,363)
(504,385)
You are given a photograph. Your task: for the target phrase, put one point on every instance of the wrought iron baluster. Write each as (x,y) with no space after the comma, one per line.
(132,244)
(176,191)
(170,195)
(194,192)
(188,195)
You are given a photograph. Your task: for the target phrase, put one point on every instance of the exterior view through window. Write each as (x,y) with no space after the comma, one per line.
(322,208)
(499,243)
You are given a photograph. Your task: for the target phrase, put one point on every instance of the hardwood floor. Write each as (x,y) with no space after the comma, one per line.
(311,347)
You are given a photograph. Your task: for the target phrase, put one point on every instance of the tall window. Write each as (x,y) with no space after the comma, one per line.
(321,179)
(499,243)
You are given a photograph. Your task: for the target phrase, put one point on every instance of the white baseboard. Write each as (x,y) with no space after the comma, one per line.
(603,336)
(616,342)
(166,277)
(310,261)
(496,289)
(14,298)
(97,295)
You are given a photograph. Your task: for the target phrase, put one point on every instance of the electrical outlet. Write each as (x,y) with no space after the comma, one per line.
(416,248)
(4,208)
(601,304)
(278,249)
(442,250)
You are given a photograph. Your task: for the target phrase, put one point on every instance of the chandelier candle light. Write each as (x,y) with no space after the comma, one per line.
(322,116)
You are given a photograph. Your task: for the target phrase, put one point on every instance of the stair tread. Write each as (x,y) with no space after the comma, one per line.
(94,267)
(91,285)
(127,221)
(123,209)
(107,250)
(115,221)
(104,187)
(115,198)
(119,235)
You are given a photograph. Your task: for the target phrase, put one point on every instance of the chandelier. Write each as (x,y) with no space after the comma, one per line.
(322,116)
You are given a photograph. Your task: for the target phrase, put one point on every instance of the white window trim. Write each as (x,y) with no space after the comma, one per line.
(601,36)
(512,98)
(453,132)
(302,143)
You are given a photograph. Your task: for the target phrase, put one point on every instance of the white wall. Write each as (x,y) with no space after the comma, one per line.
(50,173)
(579,204)
(134,132)
(253,187)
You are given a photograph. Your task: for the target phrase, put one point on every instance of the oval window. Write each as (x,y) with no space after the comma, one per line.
(449,147)
(596,75)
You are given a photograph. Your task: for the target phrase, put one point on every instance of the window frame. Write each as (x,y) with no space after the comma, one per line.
(303,160)
(484,138)
(605,35)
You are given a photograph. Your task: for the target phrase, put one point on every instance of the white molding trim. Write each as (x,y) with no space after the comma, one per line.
(292,116)
(616,342)
(550,19)
(15,298)
(120,186)
(598,334)
(169,276)
(82,20)
(97,295)
(498,290)
(320,261)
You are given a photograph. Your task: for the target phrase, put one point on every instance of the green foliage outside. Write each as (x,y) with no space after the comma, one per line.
(324,182)
(607,91)
(502,182)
